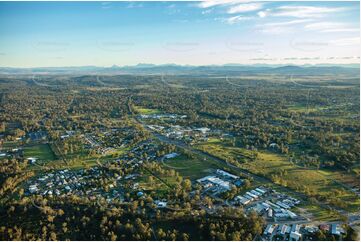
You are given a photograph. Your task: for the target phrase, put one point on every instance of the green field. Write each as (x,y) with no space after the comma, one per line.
(42,152)
(224,150)
(328,184)
(146,111)
(11,145)
(192,168)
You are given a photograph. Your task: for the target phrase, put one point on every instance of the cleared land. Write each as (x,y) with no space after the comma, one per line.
(42,152)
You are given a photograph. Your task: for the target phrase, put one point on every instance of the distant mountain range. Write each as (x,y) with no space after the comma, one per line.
(169,69)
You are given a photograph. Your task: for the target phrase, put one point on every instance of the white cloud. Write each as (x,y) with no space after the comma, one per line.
(276,30)
(342,30)
(246,7)
(263,14)
(207,11)
(346,41)
(329,27)
(305,11)
(281,27)
(236,19)
(288,23)
(213,3)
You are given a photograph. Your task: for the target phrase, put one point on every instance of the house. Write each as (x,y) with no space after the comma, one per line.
(325,227)
(282,205)
(252,195)
(285,229)
(161,204)
(272,145)
(256,193)
(202,130)
(295,236)
(270,213)
(33,188)
(291,214)
(248,197)
(295,228)
(269,229)
(336,229)
(260,190)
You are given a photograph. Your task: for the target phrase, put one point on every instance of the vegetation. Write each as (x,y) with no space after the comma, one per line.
(302,140)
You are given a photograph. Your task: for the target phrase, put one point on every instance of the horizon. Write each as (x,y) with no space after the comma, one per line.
(150,65)
(104,34)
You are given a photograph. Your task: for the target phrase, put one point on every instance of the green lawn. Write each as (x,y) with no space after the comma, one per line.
(192,168)
(11,145)
(146,111)
(42,152)
(224,150)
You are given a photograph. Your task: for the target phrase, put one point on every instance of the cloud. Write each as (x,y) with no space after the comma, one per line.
(276,30)
(208,4)
(288,23)
(341,30)
(246,7)
(207,11)
(281,27)
(134,5)
(346,41)
(329,27)
(263,14)
(236,19)
(305,11)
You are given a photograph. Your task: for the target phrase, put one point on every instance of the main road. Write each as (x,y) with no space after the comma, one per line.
(352,217)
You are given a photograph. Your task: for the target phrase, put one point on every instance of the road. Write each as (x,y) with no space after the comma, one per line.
(351,217)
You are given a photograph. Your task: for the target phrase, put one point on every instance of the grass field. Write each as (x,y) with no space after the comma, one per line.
(281,171)
(146,111)
(224,150)
(42,152)
(324,183)
(191,168)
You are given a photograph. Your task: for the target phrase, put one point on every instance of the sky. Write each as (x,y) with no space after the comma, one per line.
(44,34)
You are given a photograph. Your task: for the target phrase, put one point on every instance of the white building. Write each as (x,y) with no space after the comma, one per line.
(226,174)
(171,155)
(295,236)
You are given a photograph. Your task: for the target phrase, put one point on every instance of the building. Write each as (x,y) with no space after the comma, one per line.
(336,229)
(295,236)
(295,228)
(203,130)
(226,174)
(252,195)
(33,188)
(269,229)
(260,190)
(242,200)
(215,181)
(171,155)
(161,204)
(31,160)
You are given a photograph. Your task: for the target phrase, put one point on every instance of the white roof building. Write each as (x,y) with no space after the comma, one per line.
(295,236)
(224,173)
(171,155)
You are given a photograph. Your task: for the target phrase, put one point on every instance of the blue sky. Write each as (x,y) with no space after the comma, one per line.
(37,34)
